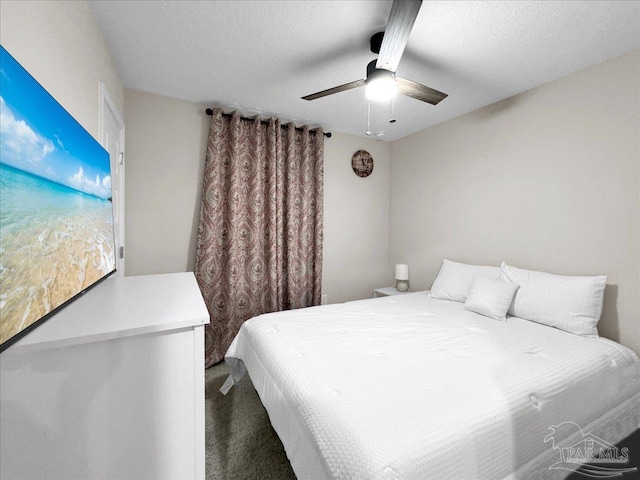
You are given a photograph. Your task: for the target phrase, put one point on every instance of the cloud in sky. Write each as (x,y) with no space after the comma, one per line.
(59,142)
(19,142)
(98,187)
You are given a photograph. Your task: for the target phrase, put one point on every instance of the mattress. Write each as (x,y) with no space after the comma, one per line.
(410,387)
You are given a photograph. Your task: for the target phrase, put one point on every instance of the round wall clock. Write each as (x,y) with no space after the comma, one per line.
(362,163)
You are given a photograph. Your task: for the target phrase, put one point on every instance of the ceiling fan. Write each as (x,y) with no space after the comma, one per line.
(382,82)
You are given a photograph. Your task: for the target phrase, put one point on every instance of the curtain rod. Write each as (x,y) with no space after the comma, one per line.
(209,112)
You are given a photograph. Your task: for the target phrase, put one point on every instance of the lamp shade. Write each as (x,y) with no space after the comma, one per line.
(381,85)
(402,271)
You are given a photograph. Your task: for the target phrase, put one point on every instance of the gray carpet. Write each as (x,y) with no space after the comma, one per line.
(241,444)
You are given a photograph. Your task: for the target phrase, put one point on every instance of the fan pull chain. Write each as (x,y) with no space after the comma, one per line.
(393,118)
(368,132)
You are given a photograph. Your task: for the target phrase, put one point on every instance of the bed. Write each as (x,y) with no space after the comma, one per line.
(415,387)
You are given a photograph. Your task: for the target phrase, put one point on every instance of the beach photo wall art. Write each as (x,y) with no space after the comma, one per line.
(56,213)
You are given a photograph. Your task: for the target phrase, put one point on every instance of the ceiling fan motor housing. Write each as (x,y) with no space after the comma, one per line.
(374,73)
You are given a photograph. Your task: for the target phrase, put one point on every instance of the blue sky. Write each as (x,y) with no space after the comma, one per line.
(38,136)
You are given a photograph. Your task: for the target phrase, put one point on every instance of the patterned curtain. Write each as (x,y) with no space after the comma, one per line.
(260,232)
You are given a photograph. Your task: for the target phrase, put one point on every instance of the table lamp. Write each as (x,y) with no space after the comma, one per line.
(402,277)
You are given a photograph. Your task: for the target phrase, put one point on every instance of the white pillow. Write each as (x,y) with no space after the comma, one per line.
(454,279)
(573,304)
(491,298)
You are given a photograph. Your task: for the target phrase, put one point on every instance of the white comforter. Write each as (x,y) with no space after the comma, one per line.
(409,387)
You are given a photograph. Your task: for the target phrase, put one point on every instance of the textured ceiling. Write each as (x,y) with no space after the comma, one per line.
(262,56)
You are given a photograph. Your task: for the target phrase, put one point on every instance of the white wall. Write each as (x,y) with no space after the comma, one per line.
(60,45)
(356,220)
(166,141)
(544,180)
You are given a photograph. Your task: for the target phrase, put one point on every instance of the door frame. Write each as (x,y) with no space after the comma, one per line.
(106,99)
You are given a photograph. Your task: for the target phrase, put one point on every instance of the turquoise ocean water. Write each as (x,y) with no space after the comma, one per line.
(54,242)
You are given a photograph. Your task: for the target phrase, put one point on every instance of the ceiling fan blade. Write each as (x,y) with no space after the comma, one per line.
(419,92)
(331,91)
(401,18)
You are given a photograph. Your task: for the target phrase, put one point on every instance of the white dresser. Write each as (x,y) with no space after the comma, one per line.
(112,386)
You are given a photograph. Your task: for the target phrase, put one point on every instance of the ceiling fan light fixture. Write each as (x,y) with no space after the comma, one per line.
(381,85)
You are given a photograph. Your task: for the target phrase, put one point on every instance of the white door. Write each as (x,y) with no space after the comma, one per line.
(112,139)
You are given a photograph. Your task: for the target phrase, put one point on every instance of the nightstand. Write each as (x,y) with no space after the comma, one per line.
(386,292)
